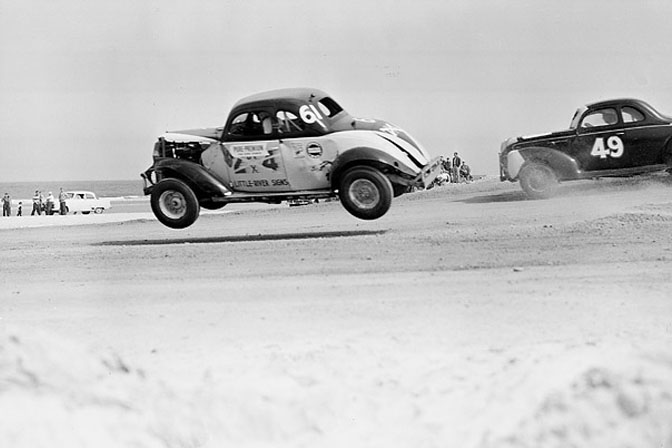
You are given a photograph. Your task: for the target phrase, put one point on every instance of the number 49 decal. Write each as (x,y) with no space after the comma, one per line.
(614,147)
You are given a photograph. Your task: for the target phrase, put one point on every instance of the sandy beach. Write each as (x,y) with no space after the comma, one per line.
(467,317)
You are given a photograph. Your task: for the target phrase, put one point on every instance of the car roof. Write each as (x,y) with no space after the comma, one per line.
(652,112)
(301,94)
(620,102)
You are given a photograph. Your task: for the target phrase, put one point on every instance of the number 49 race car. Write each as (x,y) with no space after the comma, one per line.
(285,145)
(618,137)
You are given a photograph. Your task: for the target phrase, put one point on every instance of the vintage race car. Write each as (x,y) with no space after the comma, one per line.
(619,137)
(285,145)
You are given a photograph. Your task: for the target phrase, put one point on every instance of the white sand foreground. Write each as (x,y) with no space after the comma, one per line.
(466,317)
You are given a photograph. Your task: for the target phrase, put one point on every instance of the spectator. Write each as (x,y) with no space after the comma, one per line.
(19,210)
(36,204)
(457,163)
(6,205)
(61,202)
(50,204)
(465,172)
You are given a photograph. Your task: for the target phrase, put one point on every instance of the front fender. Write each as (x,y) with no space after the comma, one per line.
(202,181)
(371,157)
(564,165)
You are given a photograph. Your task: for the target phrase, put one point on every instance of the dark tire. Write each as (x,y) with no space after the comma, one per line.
(538,180)
(174,204)
(98,210)
(86,212)
(365,192)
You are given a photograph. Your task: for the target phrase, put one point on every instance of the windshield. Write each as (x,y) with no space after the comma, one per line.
(577,116)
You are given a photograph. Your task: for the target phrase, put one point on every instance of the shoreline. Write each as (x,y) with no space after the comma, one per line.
(121,210)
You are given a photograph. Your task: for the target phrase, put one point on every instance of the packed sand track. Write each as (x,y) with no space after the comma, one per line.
(468,316)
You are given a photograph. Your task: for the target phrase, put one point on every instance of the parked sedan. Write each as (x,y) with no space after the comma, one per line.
(83,202)
(619,137)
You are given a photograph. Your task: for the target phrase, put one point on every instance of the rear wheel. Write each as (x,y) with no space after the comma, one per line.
(98,210)
(365,192)
(174,203)
(538,180)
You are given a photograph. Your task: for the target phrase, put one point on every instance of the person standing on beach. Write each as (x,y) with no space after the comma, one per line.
(19,210)
(41,201)
(50,204)
(36,204)
(61,202)
(6,205)
(457,163)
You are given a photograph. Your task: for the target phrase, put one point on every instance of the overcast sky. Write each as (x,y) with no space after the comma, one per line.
(87,86)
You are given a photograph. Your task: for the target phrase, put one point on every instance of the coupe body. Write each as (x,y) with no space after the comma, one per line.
(285,145)
(619,137)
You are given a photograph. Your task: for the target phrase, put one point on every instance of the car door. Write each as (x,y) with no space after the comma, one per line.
(308,156)
(644,140)
(252,156)
(599,143)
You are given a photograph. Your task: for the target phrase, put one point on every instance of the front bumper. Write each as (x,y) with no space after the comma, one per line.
(147,179)
(429,172)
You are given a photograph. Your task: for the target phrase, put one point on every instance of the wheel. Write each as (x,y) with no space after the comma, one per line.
(86,212)
(538,180)
(365,192)
(98,210)
(174,203)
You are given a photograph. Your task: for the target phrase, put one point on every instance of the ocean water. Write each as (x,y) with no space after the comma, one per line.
(102,188)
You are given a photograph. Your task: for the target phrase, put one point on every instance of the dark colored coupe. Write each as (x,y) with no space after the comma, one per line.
(620,137)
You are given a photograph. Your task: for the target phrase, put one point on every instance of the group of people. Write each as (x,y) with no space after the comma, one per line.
(41,204)
(455,170)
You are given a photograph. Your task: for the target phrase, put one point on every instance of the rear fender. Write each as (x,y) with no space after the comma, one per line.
(375,158)
(667,153)
(199,179)
(565,166)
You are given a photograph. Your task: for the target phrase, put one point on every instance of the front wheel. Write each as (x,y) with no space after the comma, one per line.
(539,181)
(365,192)
(98,210)
(174,203)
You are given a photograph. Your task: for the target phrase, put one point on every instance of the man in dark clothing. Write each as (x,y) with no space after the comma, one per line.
(457,163)
(6,205)
(36,204)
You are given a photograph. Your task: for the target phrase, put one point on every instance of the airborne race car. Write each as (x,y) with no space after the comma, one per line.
(285,145)
(618,137)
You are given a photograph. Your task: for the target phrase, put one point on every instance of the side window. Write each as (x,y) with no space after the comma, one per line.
(600,117)
(289,123)
(329,107)
(631,115)
(251,124)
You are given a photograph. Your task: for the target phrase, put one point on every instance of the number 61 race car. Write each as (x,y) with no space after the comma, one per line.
(285,145)
(610,138)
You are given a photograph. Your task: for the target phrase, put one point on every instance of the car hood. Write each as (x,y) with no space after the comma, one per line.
(204,133)
(547,136)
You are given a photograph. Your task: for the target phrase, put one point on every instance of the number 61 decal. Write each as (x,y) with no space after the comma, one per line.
(614,147)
